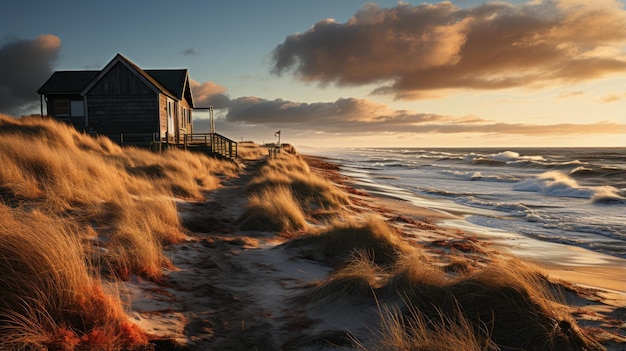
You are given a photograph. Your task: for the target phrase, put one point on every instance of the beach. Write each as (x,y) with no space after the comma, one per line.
(236,289)
(134,250)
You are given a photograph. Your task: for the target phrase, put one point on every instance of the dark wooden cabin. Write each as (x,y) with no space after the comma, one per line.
(122,101)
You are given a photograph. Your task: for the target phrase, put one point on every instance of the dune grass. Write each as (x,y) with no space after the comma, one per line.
(286,195)
(507,304)
(248,150)
(49,296)
(75,208)
(273,209)
(125,194)
(312,192)
(504,303)
(357,279)
(370,235)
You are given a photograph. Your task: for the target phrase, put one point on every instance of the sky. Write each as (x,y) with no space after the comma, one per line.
(350,73)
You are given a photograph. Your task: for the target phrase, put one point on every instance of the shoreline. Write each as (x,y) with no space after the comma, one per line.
(567,262)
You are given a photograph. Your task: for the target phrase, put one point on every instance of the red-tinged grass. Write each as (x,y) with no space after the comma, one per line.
(74,206)
(48,296)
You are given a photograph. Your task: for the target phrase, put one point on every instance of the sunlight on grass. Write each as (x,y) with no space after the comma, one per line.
(75,209)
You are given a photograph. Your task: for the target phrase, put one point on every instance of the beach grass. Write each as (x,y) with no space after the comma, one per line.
(370,235)
(273,209)
(285,196)
(80,213)
(311,191)
(356,280)
(76,210)
(49,295)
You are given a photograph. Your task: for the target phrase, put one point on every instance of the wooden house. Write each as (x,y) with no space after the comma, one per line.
(122,101)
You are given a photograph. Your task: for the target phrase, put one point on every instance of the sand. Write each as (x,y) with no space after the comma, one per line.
(234,290)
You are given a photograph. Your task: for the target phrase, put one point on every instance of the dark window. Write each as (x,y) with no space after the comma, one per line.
(62,107)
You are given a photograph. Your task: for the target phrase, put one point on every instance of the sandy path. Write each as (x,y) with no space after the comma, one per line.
(231,289)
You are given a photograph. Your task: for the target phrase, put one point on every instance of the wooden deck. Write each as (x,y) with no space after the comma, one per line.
(212,143)
(209,143)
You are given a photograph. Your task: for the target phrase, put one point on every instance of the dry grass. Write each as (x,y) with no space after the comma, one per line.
(285,195)
(358,279)
(506,305)
(312,192)
(74,207)
(249,150)
(47,294)
(273,209)
(371,235)
(412,330)
(126,195)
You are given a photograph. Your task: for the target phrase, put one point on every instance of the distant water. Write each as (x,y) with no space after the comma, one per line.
(571,196)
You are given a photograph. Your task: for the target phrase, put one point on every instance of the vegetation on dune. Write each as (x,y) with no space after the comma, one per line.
(75,207)
(371,235)
(49,294)
(501,304)
(78,210)
(126,195)
(506,305)
(273,210)
(286,187)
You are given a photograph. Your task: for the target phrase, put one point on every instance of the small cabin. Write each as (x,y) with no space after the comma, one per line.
(128,104)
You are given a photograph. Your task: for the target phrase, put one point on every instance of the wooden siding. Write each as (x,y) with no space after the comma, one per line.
(121,102)
(120,81)
(112,115)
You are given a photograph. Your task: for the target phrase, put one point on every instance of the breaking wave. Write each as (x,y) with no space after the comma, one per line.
(555,183)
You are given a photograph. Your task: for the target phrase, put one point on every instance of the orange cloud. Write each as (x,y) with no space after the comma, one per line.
(209,94)
(612,98)
(362,116)
(411,50)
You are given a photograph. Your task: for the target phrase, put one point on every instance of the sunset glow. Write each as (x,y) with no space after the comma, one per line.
(460,73)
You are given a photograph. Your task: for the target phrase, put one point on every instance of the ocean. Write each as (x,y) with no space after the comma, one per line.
(573,196)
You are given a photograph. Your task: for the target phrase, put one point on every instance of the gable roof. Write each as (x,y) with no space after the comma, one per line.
(171,79)
(67,82)
(172,82)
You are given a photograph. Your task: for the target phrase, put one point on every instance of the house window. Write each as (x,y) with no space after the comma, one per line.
(77,108)
(183,114)
(189,117)
(61,108)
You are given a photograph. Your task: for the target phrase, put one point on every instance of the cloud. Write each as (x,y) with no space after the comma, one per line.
(25,65)
(362,116)
(409,51)
(209,94)
(189,52)
(571,94)
(607,99)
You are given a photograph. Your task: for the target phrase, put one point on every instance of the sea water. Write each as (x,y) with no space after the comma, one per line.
(566,195)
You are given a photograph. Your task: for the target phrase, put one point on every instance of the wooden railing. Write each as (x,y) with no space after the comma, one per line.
(214,142)
(208,142)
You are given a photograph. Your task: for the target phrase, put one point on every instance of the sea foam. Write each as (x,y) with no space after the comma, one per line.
(555,183)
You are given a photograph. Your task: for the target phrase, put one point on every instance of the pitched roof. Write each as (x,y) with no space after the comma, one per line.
(171,79)
(68,82)
(168,81)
